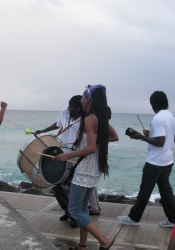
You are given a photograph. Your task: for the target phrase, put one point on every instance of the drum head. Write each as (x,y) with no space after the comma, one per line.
(52,170)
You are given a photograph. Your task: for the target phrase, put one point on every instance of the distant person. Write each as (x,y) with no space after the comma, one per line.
(171,245)
(2,112)
(94,205)
(158,164)
(68,116)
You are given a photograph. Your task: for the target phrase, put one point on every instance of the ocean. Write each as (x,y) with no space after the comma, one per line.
(126,157)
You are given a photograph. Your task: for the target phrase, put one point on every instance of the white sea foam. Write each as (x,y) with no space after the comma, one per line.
(152,198)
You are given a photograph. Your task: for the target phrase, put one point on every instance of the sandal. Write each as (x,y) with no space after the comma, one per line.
(104,248)
(76,248)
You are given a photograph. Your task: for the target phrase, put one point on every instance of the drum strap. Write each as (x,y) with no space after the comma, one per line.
(62,130)
(73,170)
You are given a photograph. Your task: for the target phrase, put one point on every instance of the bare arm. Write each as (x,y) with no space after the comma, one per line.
(156,141)
(113,136)
(90,127)
(2,112)
(52,127)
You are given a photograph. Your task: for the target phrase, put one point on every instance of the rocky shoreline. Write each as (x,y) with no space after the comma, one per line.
(28,188)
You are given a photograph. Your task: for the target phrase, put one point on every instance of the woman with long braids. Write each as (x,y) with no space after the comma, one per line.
(92,143)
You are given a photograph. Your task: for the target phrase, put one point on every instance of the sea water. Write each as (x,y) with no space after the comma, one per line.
(126,157)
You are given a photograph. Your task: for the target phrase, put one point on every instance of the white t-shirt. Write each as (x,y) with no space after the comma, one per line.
(63,121)
(163,124)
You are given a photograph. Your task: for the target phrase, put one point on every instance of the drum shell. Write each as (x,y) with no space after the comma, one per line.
(28,157)
(53,171)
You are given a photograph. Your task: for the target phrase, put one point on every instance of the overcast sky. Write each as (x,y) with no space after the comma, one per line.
(52,49)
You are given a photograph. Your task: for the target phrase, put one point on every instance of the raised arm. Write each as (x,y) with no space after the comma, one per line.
(2,112)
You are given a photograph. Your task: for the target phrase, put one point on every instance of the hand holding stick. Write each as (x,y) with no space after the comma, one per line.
(51,156)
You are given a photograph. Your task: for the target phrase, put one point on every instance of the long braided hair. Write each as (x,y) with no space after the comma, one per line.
(99,108)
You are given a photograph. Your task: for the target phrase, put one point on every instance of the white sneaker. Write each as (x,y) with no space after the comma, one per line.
(166,223)
(127,221)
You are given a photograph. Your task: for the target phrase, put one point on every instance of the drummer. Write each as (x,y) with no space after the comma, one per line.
(70,116)
(3,106)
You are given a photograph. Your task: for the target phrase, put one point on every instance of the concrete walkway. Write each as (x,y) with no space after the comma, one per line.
(16,232)
(38,216)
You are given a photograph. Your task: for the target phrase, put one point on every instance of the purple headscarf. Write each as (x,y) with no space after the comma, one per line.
(91,89)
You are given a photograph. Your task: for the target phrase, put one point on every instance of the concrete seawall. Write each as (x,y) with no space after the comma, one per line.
(32,222)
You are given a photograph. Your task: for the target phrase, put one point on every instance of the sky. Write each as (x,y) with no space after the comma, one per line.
(52,49)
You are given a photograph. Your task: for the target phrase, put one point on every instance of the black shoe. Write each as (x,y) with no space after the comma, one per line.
(64,217)
(91,212)
(73,223)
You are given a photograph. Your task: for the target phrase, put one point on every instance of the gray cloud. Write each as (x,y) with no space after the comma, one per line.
(50,50)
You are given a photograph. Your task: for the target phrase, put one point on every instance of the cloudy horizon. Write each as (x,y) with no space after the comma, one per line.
(52,49)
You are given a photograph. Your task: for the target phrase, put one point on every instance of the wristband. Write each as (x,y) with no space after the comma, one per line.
(142,138)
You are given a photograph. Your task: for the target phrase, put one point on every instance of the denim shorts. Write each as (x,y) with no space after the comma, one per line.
(78,204)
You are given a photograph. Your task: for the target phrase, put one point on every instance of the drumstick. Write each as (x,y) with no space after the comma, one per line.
(67,142)
(140,122)
(62,130)
(28,131)
(51,156)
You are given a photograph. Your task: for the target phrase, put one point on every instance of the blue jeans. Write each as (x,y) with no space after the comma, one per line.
(78,204)
(151,175)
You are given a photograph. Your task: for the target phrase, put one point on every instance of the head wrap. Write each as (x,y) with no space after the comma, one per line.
(92,88)
(76,101)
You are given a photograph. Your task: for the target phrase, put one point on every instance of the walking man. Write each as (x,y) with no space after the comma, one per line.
(158,164)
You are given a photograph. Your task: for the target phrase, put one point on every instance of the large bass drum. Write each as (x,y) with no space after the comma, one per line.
(28,157)
(53,171)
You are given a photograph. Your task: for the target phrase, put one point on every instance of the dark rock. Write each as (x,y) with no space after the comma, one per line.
(25,185)
(157,203)
(116,199)
(29,188)
(48,192)
(7,187)
(33,191)
(119,199)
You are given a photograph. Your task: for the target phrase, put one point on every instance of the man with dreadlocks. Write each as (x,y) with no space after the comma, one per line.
(158,164)
(92,143)
(70,118)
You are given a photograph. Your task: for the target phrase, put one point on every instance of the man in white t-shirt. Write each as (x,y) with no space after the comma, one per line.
(71,117)
(66,119)
(159,162)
